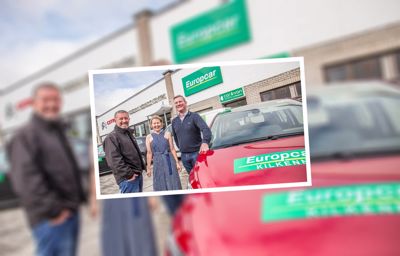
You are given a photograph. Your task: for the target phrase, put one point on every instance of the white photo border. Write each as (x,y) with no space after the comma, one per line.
(91,73)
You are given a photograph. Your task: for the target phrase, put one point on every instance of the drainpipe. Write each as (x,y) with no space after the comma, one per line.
(170,90)
(142,21)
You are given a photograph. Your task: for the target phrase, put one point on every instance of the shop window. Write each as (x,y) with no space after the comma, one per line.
(337,73)
(204,110)
(146,128)
(168,115)
(278,93)
(166,118)
(79,125)
(143,128)
(298,89)
(137,130)
(368,68)
(236,103)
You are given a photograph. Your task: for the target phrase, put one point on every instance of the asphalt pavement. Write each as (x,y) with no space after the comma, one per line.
(16,239)
(15,234)
(109,186)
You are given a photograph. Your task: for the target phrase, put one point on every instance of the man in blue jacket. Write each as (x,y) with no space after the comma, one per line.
(191,133)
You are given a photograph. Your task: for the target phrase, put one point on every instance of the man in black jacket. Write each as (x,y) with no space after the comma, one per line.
(123,155)
(45,175)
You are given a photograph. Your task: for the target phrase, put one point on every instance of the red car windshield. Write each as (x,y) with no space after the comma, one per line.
(354,127)
(260,123)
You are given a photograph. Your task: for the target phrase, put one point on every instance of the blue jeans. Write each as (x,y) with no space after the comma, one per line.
(173,202)
(57,240)
(188,160)
(131,186)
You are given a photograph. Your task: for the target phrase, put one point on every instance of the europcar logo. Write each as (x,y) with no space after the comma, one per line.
(204,35)
(200,80)
(352,200)
(273,160)
(105,124)
(217,29)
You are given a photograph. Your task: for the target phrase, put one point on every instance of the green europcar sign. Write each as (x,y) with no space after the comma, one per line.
(271,160)
(231,95)
(353,200)
(201,79)
(220,28)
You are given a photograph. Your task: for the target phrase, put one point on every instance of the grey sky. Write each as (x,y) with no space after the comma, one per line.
(36,33)
(112,89)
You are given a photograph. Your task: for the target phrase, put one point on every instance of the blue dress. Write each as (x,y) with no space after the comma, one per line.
(127,228)
(165,174)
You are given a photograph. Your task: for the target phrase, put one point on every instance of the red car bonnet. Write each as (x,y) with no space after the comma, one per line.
(216,168)
(233,223)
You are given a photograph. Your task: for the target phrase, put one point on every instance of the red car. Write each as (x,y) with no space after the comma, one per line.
(256,144)
(353,207)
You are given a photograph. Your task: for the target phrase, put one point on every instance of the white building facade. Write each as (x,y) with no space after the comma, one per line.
(340,40)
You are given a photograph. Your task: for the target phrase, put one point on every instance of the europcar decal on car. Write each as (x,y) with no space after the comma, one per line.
(272,160)
(332,201)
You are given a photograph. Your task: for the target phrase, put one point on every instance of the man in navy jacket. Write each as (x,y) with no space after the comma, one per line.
(191,133)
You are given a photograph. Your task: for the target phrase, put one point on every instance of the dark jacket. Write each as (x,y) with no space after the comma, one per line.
(44,172)
(123,154)
(187,133)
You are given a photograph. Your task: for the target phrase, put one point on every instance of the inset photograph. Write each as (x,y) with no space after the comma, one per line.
(193,128)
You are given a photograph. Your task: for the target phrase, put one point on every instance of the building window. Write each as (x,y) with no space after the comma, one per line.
(166,119)
(298,89)
(236,103)
(137,130)
(79,125)
(278,93)
(142,129)
(146,128)
(204,110)
(367,68)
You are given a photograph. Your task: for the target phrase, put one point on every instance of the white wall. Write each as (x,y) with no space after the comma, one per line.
(160,25)
(283,25)
(276,26)
(233,77)
(140,116)
(120,47)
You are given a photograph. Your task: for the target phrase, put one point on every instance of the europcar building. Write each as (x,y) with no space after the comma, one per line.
(340,41)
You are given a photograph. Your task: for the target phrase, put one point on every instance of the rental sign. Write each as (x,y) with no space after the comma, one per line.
(231,95)
(201,79)
(210,32)
(272,160)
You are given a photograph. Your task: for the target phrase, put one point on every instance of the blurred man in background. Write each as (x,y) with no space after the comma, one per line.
(123,155)
(127,227)
(45,175)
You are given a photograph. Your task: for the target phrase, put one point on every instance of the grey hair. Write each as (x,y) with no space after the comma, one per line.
(44,85)
(120,112)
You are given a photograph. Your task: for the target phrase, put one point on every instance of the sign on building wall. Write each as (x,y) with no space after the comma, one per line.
(212,31)
(231,95)
(201,79)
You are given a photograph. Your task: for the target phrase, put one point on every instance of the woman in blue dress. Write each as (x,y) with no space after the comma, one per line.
(161,150)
